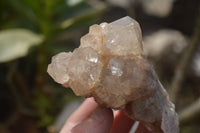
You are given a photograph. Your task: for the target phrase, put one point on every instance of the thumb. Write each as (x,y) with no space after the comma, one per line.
(99,122)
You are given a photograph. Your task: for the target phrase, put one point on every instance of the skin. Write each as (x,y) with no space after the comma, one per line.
(90,118)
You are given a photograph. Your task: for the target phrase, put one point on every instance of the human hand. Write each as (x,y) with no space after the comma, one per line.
(90,118)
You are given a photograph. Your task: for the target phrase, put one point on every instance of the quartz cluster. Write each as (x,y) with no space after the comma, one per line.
(110,66)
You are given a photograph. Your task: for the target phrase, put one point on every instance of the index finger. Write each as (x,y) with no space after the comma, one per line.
(82,113)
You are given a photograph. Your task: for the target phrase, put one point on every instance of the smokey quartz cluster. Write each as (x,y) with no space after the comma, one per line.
(110,66)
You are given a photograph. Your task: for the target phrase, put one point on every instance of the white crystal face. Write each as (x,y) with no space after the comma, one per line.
(116,66)
(58,69)
(122,37)
(85,67)
(93,39)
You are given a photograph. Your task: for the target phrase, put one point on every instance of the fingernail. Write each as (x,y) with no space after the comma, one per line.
(98,114)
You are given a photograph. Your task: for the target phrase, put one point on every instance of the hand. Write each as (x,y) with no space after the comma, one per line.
(90,118)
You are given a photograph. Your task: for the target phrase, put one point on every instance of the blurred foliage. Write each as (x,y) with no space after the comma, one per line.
(14,43)
(43,104)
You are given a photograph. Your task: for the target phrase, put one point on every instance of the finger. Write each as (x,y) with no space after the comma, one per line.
(82,113)
(122,123)
(99,122)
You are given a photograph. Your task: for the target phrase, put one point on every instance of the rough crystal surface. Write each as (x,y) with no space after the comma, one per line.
(85,66)
(127,40)
(109,65)
(58,69)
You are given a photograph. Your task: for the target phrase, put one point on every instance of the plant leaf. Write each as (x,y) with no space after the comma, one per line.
(15,43)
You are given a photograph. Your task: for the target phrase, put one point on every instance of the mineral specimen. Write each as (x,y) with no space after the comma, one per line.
(110,66)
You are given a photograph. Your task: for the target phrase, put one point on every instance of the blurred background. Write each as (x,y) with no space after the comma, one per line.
(32,31)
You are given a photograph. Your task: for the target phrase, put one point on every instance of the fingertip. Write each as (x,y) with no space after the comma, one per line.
(99,122)
(81,114)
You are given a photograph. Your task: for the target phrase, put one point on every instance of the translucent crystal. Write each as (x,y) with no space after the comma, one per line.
(122,77)
(93,39)
(109,65)
(104,38)
(58,69)
(128,39)
(85,67)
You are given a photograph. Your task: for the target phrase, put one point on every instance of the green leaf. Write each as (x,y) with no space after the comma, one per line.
(15,43)
(79,19)
(24,10)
